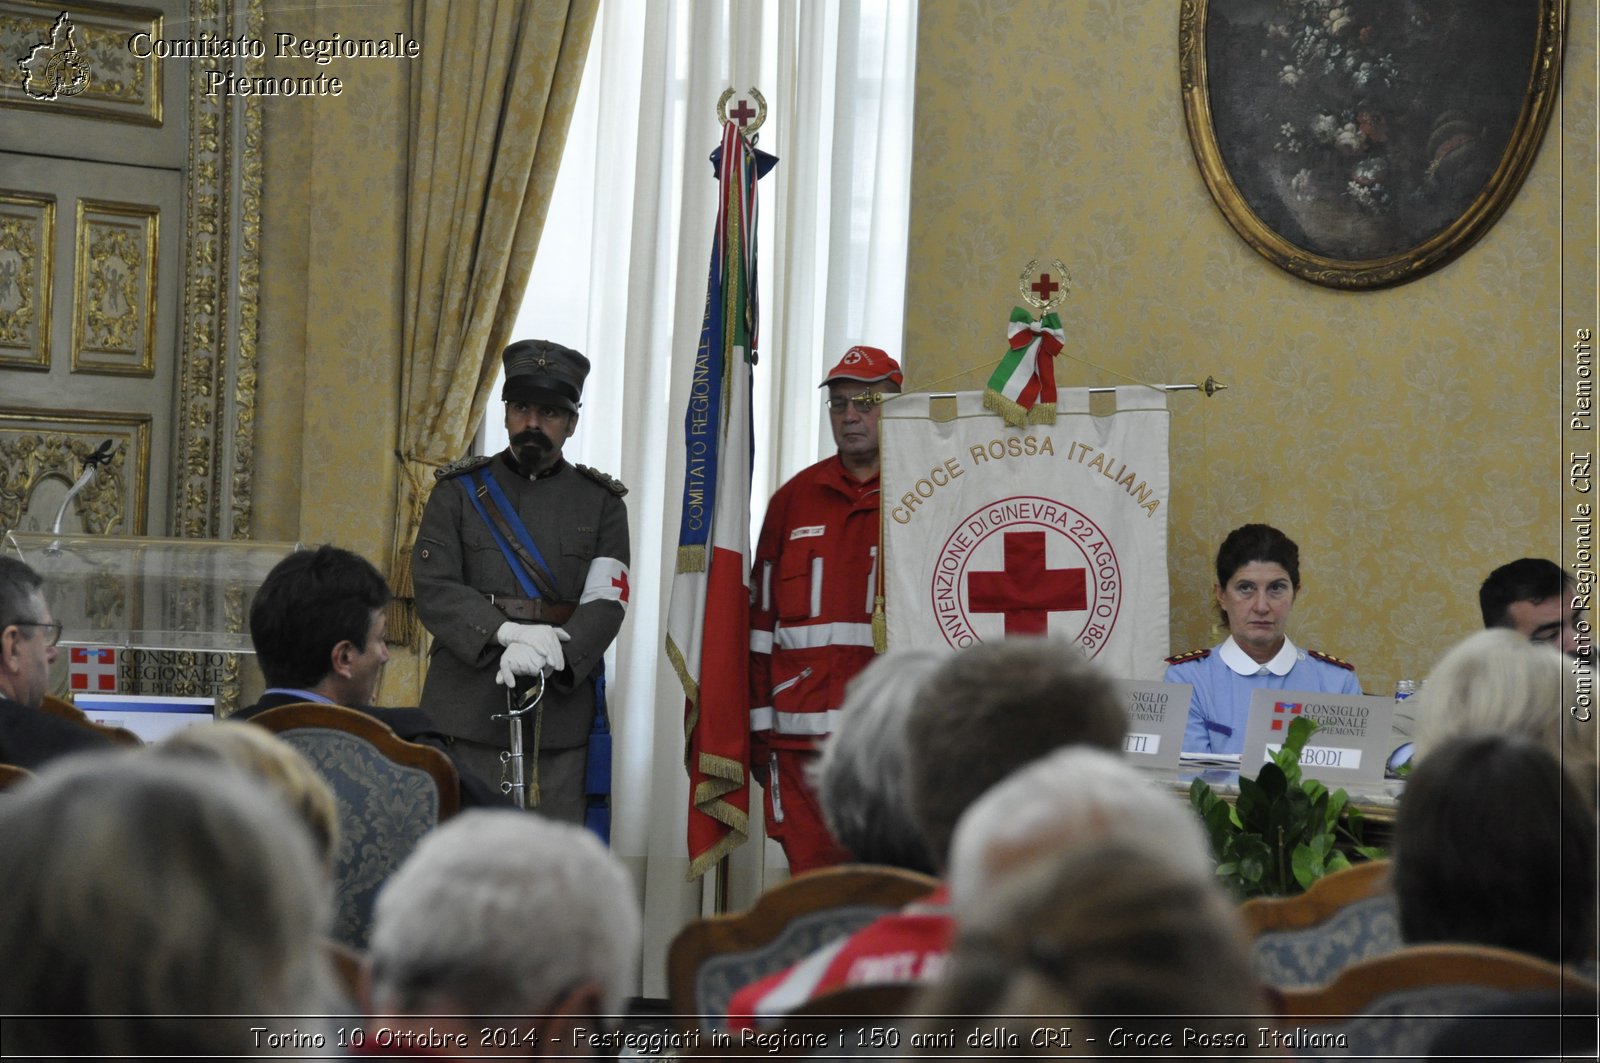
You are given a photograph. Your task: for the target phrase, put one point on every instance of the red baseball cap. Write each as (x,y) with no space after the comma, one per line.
(866,364)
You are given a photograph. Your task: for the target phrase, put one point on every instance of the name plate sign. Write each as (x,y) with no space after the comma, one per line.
(1351,743)
(1157,714)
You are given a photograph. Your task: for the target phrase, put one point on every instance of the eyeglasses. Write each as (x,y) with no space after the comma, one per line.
(52,629)
(865,402)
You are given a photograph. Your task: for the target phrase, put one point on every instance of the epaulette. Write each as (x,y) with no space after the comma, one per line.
(610,483)
(463,465)
(1192,655)
(1328,658)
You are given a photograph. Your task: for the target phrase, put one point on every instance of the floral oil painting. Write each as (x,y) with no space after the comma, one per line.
(1364,143)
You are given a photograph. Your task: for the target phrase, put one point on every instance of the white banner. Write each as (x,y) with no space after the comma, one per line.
(991,530)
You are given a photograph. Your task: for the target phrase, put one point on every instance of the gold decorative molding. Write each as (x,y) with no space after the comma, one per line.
(114,293)
(27,268)
(214,441)
(40,445)
(121,86)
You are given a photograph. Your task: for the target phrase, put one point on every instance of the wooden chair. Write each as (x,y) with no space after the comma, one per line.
(1395,1005)
(12,774)
(390,793)
(347,964)
(68,711)
(1346,917)
(711,958)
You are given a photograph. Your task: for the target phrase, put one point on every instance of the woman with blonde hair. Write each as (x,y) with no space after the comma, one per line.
(264,756)
(1497,682)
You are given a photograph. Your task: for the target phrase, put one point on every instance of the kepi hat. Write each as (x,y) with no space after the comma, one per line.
(544,373)
(869,365)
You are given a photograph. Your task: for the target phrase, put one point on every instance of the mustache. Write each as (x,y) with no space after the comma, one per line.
(532,437)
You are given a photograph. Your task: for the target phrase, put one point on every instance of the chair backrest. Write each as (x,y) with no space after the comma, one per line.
(1395,1005)
(390,793)
(11,774)
(1345,917)
(859,1020)
(712,958)
(68,711)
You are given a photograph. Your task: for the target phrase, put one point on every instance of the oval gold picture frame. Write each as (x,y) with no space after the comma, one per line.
(1365,143)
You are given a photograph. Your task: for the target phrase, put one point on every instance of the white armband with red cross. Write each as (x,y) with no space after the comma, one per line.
(607,582)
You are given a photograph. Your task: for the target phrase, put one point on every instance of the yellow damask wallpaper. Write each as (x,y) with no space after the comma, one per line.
(331,277)
(1409,439)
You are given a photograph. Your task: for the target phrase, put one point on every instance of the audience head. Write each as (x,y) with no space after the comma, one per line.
(138,886)
(992,708)
(860,778)
(1494,845)
(1497,682)
(504,913)
(1069,799)
(264,756)
(1103,929)
(27,635)
(317,623)
(1533,597)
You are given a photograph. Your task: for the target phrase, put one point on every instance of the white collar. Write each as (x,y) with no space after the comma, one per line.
(1242,663)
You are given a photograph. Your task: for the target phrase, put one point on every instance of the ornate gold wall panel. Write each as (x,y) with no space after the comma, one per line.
(42,453)
(176,324)
(114,294)
(120,87)
(216,387)
(27,266)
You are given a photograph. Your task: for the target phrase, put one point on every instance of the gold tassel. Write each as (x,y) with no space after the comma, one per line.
(1012,413)
(1042,413)
(880,626)
(691,559)
(530,765)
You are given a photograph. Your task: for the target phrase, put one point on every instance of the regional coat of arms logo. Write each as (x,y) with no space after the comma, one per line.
(55,68)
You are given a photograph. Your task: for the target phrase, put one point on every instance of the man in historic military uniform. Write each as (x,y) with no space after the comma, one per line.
(521,568)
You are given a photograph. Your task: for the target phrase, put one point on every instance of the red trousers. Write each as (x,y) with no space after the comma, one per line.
(794,819)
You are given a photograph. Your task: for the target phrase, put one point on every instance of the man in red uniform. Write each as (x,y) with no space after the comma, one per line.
(815,576)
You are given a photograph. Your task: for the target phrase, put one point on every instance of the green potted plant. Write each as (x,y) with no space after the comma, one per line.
(1285,831)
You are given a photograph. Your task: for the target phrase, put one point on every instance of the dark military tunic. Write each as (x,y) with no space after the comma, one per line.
(577,519)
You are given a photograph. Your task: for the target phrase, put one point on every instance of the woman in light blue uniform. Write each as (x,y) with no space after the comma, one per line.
(1258,576)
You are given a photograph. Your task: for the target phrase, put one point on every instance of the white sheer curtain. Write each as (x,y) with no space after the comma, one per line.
(621,275)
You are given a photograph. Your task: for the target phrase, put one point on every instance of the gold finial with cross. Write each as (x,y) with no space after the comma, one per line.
(1045,291)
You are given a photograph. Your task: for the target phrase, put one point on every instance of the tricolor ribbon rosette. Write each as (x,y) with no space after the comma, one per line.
(1023,387)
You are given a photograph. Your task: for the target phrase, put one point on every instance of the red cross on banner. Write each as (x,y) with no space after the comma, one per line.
(1027,591)
(92,668)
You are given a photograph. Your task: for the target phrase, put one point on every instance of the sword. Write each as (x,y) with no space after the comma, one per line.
(516,708)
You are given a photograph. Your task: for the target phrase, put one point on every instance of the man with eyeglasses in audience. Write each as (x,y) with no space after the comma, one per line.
(815,578)
(28,635)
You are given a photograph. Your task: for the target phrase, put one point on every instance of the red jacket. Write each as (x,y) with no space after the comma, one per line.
(814,577)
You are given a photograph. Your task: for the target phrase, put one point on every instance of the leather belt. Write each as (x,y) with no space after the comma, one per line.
(533,610)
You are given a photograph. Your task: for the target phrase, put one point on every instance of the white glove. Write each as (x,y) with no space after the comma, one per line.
(543,638)
(519,660)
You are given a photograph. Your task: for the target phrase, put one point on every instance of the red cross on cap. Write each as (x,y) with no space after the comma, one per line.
(867,365)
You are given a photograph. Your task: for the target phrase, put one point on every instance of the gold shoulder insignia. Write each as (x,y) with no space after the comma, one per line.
(610,483)
(1329,658)
(1192,655)
(463,465)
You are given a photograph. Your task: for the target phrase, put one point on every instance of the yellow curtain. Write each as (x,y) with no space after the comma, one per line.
(488,118)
